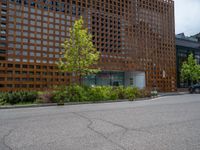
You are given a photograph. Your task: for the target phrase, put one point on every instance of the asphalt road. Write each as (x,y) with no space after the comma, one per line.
(167,123)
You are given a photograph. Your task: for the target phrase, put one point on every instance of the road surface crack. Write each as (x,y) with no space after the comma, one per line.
(89,126)
(4,139)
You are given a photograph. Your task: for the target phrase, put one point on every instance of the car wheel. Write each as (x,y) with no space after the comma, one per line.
(197,90)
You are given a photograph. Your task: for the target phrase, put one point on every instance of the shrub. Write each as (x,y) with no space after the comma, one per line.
(3,98)
(129,93)
(45,97)
(60,95)
(99,93)
(26,97)
(13,98)
(120,91)
(18,97)
(145,93)
(77,93)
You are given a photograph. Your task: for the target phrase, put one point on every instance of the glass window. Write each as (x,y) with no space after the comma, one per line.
(32,53)
(25,40)
(44,24)
(38,54)
(38,48)
(32,47)
(25,21)
(32,16)
(31,60)
(25,53)
(45,42)
(32,10)
(51,55)
(44,61)
(3,25)
(32,22)
(17,59)
(3,38)
(25,46)
(18,20)
(51,19)
(32,28)
(24,60)
(38,41)
(38,17)
(25,27)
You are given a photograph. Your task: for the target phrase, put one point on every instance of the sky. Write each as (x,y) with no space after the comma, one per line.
(187,16)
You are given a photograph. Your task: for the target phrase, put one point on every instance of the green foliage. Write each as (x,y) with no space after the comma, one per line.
(190,70)
(145,93)
(99,93)
(45,97)
(131,93)
(3,98)
(60,95)
(120,90)
(73,93)
(17,97)
(78,93)
(79,51)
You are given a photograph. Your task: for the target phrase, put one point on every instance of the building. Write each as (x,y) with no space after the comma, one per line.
(135,38)
(184,47)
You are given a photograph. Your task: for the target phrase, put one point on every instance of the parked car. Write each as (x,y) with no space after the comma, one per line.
(195,88)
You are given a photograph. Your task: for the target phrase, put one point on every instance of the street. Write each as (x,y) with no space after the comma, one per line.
(165,123)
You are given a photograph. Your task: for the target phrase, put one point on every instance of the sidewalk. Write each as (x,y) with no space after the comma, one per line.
(172,93)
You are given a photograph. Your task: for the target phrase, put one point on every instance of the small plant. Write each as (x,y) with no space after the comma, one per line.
(154,93)
(120,90)
(130,93)
(145,93)
(27,97)
(45,97)
(3,98)
(60,95)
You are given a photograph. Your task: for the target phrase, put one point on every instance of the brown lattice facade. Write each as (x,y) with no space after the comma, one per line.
(132,35)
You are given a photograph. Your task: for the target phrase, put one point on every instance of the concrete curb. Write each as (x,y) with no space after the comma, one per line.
(172,94)
(70,103)
(96,102)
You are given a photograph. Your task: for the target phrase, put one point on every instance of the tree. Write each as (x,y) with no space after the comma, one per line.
(79,53)
(190,70)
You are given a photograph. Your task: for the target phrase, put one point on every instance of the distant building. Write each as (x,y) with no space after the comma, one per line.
(185,46)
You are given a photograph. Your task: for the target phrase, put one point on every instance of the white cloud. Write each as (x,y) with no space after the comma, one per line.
(187,16)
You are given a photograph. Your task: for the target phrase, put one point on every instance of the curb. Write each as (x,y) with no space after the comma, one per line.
(70,103)
(173,94)
(81,103)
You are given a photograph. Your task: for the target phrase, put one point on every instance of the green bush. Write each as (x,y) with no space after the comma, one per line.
(130,93)
(120,91)
(77,93)
(60,95)
(28,97)
(45,97)
(13,98)
(74,93)
(145,93)
(18,97)
(99,93)
(3,98)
